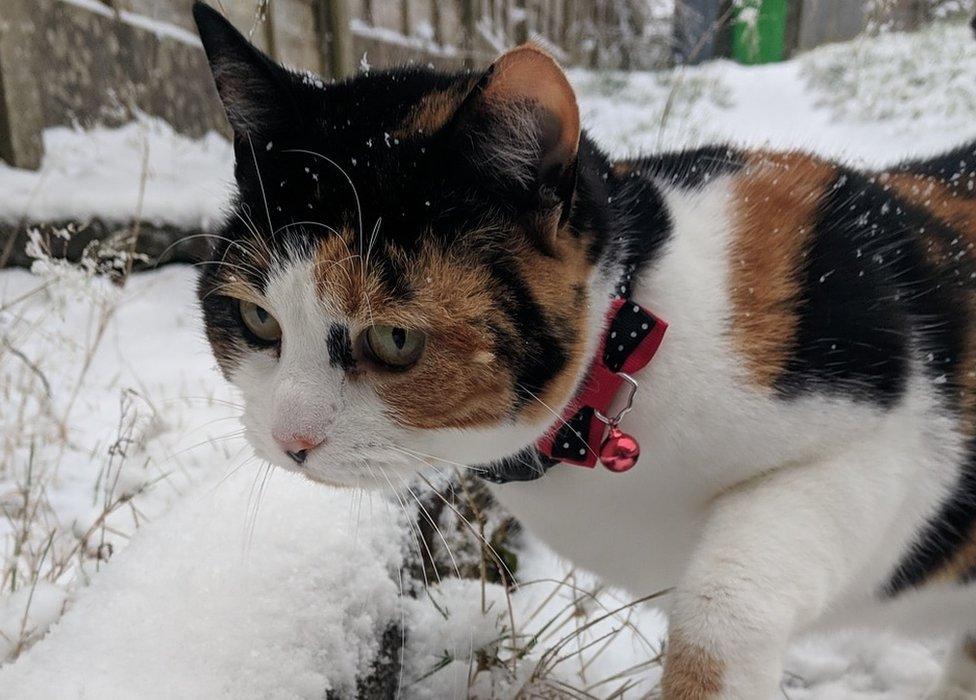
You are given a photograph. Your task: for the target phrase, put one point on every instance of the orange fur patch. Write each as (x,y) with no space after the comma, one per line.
(623,168)
(458,381)
(434,110)
(775,202)
(690,672)
(239,289)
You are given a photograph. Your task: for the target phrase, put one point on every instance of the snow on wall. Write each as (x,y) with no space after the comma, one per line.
(157,27)
(144,167)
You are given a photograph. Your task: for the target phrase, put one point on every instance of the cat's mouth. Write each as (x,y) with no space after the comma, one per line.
(371,465)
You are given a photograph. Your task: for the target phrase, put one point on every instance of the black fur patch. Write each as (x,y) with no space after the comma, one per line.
(956,169)
(869,293)
(694,168)
(340,347)
(853,334)
(526,465)
(541,355)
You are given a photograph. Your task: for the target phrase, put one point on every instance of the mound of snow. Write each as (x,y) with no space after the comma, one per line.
(203,607)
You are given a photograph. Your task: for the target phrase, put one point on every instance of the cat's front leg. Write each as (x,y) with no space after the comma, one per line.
(773,554)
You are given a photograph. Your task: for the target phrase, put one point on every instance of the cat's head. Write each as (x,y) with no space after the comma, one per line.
(410,273)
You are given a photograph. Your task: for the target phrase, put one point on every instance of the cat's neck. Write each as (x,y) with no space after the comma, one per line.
(625,213)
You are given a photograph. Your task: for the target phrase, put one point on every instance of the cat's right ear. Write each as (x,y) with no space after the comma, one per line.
(253,88)
(521,123)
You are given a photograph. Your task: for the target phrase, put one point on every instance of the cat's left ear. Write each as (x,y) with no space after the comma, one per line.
(256,92)
(523,122)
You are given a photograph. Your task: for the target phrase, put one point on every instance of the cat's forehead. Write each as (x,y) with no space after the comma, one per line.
(431,284)
(371,150)
(399,104)
(377,124)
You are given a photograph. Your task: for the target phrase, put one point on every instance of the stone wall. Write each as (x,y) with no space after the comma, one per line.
(101,61)
(100,68)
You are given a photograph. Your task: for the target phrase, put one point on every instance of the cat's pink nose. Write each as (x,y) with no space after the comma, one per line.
(297,447)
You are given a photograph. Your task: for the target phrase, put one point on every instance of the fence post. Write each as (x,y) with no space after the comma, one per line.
(337,38)
(21,119)
(469,28)
(437,20)
(568,37)
(794,20)
(521,22)
(823,21)
(700,30)
(406,22)
(269,31)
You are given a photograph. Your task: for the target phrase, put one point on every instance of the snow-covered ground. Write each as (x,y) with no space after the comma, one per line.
(184,568)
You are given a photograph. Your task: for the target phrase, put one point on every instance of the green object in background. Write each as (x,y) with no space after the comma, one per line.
(759,31)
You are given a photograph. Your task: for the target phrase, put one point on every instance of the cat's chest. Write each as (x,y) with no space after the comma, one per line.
(702,425)
(613,524)
(617,523)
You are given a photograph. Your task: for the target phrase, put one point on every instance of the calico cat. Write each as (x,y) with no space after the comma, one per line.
(427,268)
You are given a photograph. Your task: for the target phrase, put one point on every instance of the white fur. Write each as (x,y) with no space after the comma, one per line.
(768,518)
(959,680)
(300,393)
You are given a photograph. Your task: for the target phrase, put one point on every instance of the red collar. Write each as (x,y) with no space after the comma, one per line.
(631,338)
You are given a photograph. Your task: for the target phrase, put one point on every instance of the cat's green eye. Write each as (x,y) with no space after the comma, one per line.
(260,322)
(392,347)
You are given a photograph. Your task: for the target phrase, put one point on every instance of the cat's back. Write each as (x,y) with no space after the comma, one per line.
(813,309)
(841,307)
(834,281)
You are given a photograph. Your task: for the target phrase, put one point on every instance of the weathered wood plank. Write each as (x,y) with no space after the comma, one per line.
(825,21)
(21,117)
(342,57)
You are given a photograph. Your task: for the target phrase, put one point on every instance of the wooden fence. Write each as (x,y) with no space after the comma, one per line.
(84,62)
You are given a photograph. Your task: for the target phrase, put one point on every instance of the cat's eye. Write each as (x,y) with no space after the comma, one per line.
(260,322)
(393,347)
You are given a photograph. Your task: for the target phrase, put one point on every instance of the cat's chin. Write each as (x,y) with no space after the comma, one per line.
(334,483)
(377,478)
(364,483)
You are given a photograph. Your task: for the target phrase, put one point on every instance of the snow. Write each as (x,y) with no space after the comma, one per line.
(158,27)
(867,102)
(100,429)
(423,40)
(141,170)
(198,609)
(185,569)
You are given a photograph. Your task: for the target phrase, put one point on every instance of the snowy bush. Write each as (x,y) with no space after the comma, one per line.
(81,449)
(895,79)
